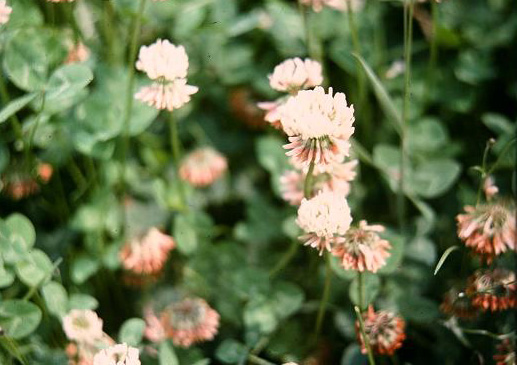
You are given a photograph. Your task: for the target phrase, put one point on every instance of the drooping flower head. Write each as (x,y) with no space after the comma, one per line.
(295,74)
(319,126)
(457,303)
(385,332)
(202,167)
(5,12)
(167,65)
(489,229)
(82,326)
(190,321)
(361,248)
(144,257)
(323,218)
(342,5)
(493,290)
(119,354)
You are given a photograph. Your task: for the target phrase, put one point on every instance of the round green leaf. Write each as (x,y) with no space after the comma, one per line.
(259,315)
(132,331)
(82,268)
(56,298)
(6,277)
(166,355)
(21,226)
(25,60)
(287,299)
(19,318)
(34,269)
(185,234)
(82,301)
(231,352)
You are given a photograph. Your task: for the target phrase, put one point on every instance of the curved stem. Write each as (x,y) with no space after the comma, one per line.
(285,259)
(307,186)
(366,341)
(360,290)
(324,299)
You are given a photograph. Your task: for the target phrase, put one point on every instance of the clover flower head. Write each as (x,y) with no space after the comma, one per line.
(82,326)
(203,166)
(119,354)
(294,74)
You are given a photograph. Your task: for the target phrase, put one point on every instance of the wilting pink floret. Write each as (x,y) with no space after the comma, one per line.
(82,326)
(203,166)
(120,354)
(323,217)
(190,321)
(5,12)
(385,332)
(77,53)
(343,5)
(154,330)
(319,126)
(362,249)
(163,60)
(489,229)
(294,74)
(493,290)
(146,256)
(291,186)
(170,96)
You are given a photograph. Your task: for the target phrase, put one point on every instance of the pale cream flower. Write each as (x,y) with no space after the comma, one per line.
(82,326)
(203,166)
(163,60)
(170,96)
(120,354)
(319,126)
(5,12)
(294,74)
(323,217)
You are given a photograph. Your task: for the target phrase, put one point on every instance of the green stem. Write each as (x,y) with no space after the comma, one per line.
(258,361)
(357,50)
(484,174)
(360,290)
(324,299)
(366,341)
(433,55)
(176,154)
(307,185)
(36,125)
(408,37)
(69,14)
(285,259)
(135,32)
(107,28)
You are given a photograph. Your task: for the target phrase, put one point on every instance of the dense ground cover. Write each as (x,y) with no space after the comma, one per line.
(163,163)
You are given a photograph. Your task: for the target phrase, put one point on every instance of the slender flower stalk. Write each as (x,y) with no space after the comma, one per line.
(359,315)
(408,39)
(324,300)
(176,155)
(135,32)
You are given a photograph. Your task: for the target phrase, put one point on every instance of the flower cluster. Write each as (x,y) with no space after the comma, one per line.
(361,248)
(167,65)
(493,290)
(384,331)
(119,354)
(202,167)
(488,229)
(145,257)
(186,322)
(290,76)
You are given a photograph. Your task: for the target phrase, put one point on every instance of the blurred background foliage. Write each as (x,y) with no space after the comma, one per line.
(231,239)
